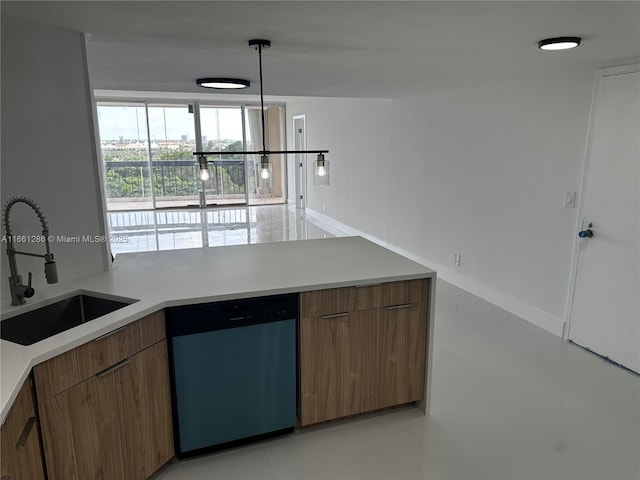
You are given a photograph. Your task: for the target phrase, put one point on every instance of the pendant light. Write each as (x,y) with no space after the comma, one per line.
(265,164)
(321,166)
(321,171)
(265,171)
(204,168)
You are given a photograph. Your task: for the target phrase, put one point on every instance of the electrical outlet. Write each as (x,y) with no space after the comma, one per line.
(456,259)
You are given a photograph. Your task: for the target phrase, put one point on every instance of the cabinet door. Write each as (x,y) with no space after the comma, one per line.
(401,349)
(144,403)
(322,347)
(337,365)
(362,381)
(81,431)
(21,457)
(114,425)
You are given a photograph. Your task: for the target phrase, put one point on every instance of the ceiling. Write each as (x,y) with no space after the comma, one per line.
(380,49)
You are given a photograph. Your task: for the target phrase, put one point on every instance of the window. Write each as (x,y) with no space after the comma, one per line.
(148,162)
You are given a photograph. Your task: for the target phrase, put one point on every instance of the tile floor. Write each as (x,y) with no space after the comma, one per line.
(150,230)
(509,401)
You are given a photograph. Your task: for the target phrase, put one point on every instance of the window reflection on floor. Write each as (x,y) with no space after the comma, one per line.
(149,230)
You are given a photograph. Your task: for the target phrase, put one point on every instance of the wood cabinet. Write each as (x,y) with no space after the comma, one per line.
(401,353)
(337,368)
(21,453)
(117,422)
(72,367)
(362,349)
(144,403)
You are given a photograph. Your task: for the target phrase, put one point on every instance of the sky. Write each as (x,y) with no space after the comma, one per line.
(167,122)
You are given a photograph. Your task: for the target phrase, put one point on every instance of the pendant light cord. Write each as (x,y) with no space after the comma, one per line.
(258,44)
(264,147)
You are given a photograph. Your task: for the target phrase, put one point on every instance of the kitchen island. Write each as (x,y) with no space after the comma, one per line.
(158,280)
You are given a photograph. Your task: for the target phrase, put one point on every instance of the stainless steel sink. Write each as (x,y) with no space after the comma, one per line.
(44,322)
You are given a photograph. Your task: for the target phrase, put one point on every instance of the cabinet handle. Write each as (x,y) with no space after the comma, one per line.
(101,337)
(25,433)
(113,368)
(396,307)
(335,315)
(5,477)
(368,285)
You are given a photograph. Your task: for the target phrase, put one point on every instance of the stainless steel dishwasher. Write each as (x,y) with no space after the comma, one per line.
(233,371)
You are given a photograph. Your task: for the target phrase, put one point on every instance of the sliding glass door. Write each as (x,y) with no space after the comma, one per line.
(172,143)
(221,131)
(148,161)
(125,156)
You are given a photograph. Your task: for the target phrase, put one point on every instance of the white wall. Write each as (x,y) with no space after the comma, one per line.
(481,172)
(48,147)
(357,134)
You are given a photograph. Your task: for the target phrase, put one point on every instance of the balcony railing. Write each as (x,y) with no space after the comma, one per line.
(174,180)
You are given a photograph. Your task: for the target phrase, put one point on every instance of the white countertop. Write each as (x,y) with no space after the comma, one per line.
(182,277)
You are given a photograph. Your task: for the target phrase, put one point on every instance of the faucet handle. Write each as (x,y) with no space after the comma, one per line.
(29,291)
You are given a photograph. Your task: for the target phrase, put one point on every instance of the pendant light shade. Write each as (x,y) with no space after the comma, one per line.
(321,171)
(265,168)
(265,173)
(204,168)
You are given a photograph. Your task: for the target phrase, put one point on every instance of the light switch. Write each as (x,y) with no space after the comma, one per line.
(570,199)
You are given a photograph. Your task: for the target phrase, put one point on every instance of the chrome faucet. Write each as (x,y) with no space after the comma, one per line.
(19,291)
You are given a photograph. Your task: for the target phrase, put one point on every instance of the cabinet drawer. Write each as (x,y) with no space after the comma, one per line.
(349,299)
(404,292)
(72,367)
(340,300)
(323,302)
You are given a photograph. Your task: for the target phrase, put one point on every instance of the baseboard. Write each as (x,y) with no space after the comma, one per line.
(531,314)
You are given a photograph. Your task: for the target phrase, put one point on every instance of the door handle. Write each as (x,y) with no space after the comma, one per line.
(587,232)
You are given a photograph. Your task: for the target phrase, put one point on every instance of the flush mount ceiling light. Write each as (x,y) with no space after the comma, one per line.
(559,43)
(321,166)
(223,83)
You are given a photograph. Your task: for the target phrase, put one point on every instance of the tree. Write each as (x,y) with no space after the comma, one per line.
(236,146)
(182,153)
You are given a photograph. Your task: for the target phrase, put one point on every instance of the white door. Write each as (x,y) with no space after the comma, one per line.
(300,143)
(605,316)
